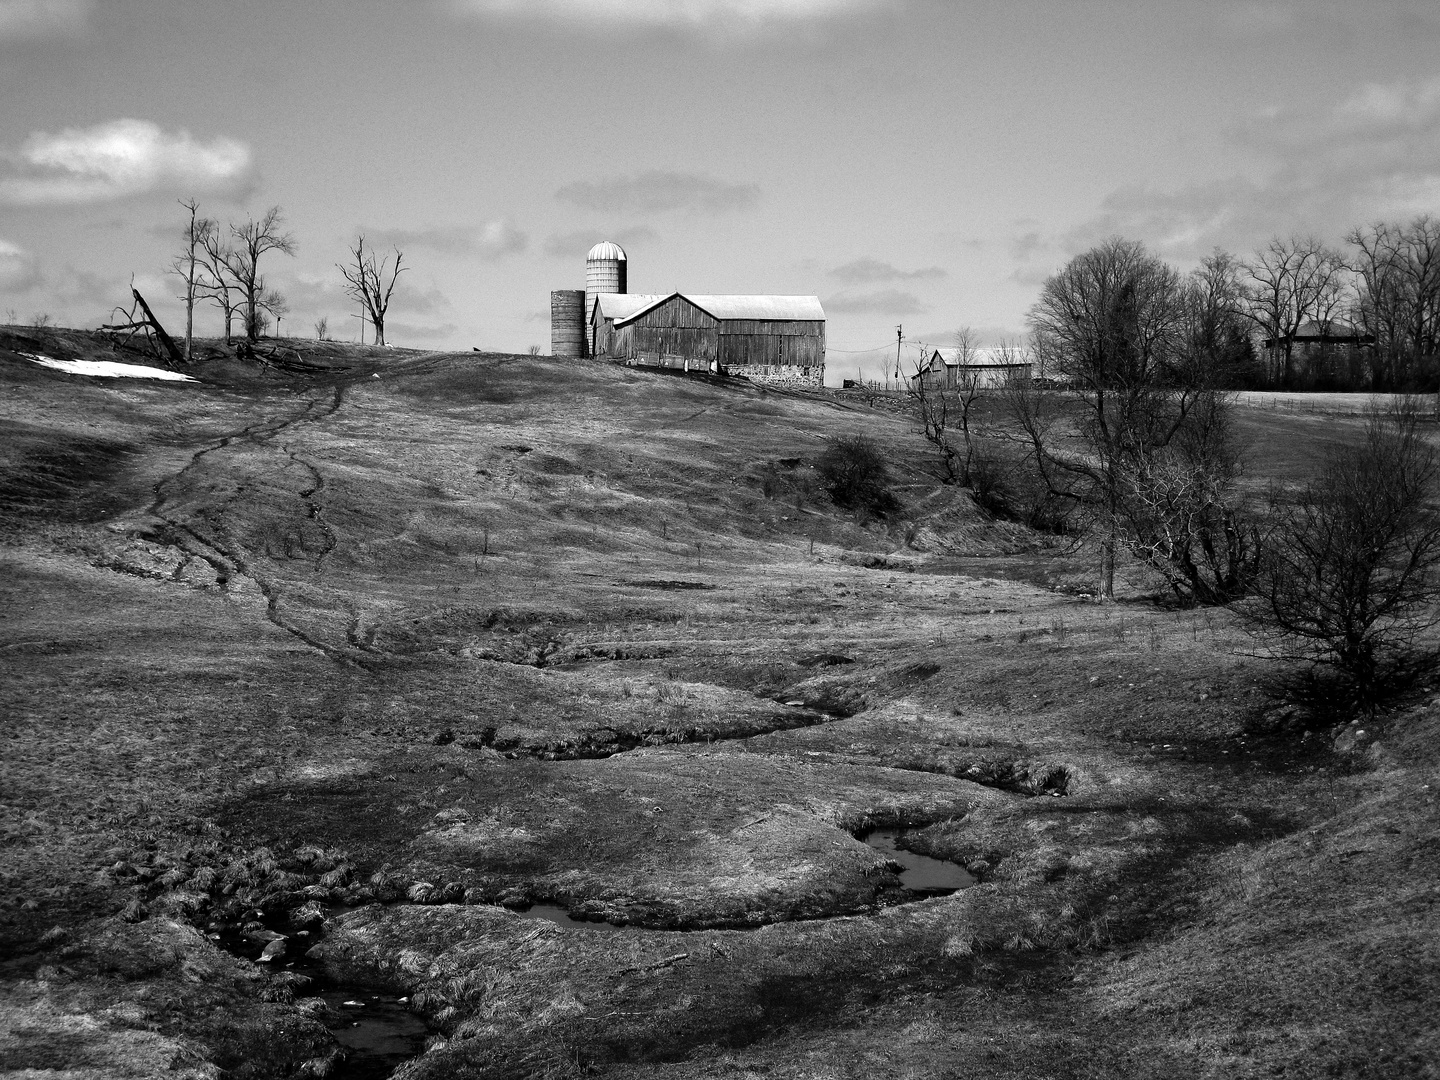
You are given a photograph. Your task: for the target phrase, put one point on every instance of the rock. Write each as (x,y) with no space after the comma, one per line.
(422,892)
(308,916)
(454,893)
(357,896)
(273,951)
(134,912)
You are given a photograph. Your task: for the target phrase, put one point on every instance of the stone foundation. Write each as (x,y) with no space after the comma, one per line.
(797,378)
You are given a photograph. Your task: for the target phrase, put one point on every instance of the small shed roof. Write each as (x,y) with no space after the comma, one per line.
(774,308)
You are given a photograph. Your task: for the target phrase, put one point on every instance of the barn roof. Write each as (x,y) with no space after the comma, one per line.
(623,305)
(724,308)
(984,358)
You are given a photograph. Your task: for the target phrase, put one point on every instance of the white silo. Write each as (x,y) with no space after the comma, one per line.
(604,273)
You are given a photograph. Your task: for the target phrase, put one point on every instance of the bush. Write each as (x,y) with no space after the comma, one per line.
(854,474)
(1350,574)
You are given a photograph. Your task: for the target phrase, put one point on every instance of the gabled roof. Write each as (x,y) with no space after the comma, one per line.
(623,305)
(725,308)
(983,358)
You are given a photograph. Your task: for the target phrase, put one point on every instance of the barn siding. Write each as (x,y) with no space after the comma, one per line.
(679,334)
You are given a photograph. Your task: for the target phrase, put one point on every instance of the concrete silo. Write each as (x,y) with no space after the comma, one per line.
(567,323)
(604,273)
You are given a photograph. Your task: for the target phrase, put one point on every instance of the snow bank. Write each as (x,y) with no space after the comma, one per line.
(107,369)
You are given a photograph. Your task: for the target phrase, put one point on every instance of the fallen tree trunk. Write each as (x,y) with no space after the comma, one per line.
(170,347)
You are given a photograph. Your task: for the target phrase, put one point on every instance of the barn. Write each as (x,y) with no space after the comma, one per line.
(983,369)
(772,339)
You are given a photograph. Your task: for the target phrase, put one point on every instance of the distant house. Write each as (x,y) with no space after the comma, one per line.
(985,369)
(1313,337)
(771,339)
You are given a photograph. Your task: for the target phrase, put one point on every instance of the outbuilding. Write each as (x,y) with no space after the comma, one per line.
(983,369)
(771,339)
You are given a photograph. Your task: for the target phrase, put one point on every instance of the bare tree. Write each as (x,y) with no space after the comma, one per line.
(249,242)
(1293,282)
(322,329)
(946,404)
(367,283)
(217,283)
(1398,297)
(1110,323)
(1217,327)
(190,266)
(1351,578)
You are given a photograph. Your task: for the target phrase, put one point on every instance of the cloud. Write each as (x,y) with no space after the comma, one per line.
(19,272)
(879,302)
(868,271)
(119,159)
(1372,153)
(657,191)
(38,18)
(683,14)
(493,240)
(573,245)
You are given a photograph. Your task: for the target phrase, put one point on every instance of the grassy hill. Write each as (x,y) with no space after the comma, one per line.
(415,636)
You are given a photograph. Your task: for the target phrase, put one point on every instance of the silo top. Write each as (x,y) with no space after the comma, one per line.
(605,250)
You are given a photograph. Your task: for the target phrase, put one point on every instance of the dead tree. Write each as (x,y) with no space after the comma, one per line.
(149,324)
(189,265)
(366,283)
(248,243)
(217,284)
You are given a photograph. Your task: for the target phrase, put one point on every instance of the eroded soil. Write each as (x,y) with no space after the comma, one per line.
(397,657)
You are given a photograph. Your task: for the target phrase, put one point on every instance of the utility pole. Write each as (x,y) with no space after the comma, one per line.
(899,337)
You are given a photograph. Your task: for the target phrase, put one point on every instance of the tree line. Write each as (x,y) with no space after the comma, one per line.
(222,265)
(1130,442)
(1300,314)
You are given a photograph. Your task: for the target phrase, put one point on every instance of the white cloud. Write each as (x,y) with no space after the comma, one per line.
(118,159)
(879,302)
(19,271)
(866,271)
(1372,153)
(738,14)
(36,18)
(493,240)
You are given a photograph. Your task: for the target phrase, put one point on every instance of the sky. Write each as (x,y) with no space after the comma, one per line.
(922,164)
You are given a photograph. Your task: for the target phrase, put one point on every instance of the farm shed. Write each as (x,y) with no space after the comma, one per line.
(771,339)
(985,369)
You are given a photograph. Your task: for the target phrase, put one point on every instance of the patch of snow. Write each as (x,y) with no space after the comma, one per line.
(106,369)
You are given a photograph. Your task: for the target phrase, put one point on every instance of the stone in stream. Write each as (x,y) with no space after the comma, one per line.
(275,950)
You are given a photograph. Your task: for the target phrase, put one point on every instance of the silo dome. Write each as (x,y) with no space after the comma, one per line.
(604,273)
(606,250)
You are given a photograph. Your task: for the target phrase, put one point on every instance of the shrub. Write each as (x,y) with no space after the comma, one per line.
(854,474)
(1350,575)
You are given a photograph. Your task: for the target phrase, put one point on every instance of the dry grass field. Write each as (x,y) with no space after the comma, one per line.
(414,641)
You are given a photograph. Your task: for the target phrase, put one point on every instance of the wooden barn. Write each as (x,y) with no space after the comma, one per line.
(770,339)
(985,369)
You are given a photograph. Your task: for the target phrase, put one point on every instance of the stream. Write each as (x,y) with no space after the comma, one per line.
(379,1032)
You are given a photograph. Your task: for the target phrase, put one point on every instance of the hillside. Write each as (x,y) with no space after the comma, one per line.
(392,650)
